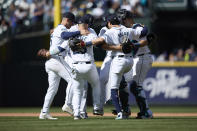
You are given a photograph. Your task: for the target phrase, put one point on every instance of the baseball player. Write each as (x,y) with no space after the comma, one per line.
(121,62)
(104,70)
(142,63)
(104,75)
(68,101)
(56,67)
(85,69)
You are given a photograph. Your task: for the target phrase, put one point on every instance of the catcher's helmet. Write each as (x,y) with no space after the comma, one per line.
(123,14)
(113,19)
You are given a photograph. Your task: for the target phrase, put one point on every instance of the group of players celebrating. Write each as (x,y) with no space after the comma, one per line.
(123,70)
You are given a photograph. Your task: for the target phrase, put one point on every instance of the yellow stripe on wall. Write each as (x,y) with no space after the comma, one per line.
(163,64)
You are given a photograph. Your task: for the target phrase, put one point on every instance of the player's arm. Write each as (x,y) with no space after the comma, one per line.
(112,47)
(139,34)
(101,40)
(141,43)
(66,35)
(57,49)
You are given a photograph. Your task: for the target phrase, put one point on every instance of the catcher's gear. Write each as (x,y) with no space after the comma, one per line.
(151,38)
(123,14)
(42,53)
(127,46)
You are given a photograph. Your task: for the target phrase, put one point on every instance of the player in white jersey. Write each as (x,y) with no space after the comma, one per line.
(142,63)
(55,66)
(104,75)
(121,62)
(89,18)
(85,69)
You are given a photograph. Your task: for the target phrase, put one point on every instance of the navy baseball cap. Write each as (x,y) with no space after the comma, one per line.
(83,20)
(89,18)
(113,19)
(69,15)
(123,14)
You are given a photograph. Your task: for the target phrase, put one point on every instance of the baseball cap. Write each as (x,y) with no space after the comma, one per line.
(123,14)
(89,18)
(83,20)
(113,19)
(69,15)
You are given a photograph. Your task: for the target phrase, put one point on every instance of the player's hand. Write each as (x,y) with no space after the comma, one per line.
(51,31)
(43,53)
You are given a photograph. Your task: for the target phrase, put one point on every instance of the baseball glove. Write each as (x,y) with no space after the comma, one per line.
(42,53)
(151,38)
(127,46)
(75,44)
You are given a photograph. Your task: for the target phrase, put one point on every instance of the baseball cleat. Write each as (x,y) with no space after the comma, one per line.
(126,113)
(46,116)
(114,112)
(84,115)
(119,116)
(98,112)
(67,109)
(145,115)
(77,118)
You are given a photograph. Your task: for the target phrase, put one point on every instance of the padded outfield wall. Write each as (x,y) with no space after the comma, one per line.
(171,83)
(166,84)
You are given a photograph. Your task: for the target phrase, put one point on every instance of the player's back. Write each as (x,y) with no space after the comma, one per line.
(115,36)
(55,39)
(144,49)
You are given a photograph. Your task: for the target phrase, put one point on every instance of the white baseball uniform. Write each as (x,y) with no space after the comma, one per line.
(83,63)
(142,63)
(104,72)
(121,62)
(56,68)
(69,97)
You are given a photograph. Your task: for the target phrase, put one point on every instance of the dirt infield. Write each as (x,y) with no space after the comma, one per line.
(106,114)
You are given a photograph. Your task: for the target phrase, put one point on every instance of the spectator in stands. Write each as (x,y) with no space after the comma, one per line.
(171,57)
(24,5)
(3,26)
(190,54)
(126,5)
(115,6)
(48,11)
(38,12)
(19,17)
(180,55)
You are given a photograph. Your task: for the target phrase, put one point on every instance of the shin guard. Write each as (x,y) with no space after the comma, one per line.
(115,99)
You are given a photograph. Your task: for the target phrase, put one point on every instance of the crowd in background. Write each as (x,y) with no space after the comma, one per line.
(19,16)
(180,54)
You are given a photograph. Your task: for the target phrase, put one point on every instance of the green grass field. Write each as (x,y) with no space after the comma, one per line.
(100,123)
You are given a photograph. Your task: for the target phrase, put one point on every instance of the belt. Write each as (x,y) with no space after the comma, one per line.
(123,56)
(86,62)
(143,54)
(120,56)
